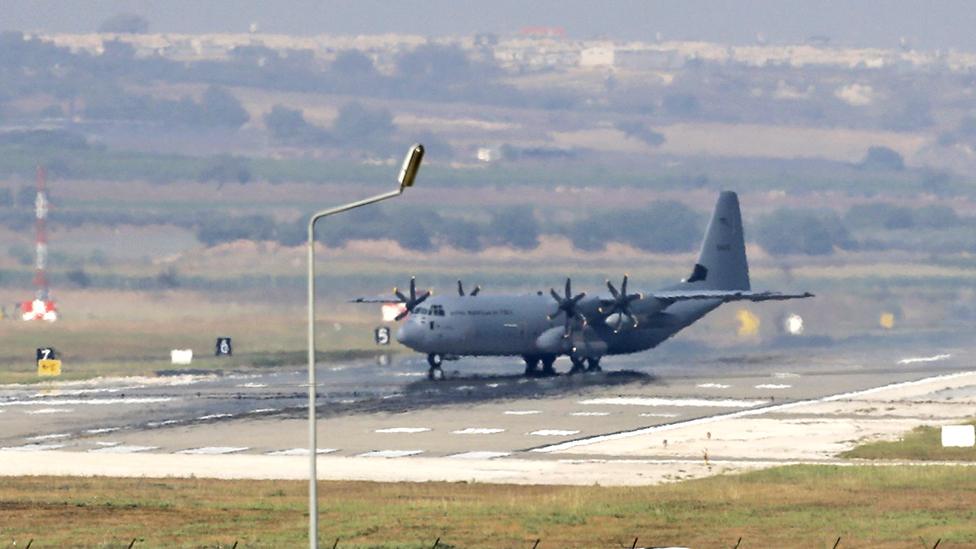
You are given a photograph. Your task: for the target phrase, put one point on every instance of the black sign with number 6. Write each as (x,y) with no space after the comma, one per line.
(224,347)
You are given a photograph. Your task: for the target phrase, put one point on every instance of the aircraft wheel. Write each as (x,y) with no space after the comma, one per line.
(547,369)
(434,360)
(531,366)
(435,373)
(593,365)
(577,365)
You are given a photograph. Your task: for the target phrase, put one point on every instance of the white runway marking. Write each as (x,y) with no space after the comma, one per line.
(84,402)
(213,450)
(680,402)
(162,423)
(121,449)
(409,374)
(408,430)
(391,453)
(652,414)
(263,410)
(464,388)
(553,433)
(50,437)
(100,431)
(785,375)
(522,412)
(772,386)
(480,455)
(934,358)
(253,385)
(49,411)
(213,416)
(301,452)
(741,413)
(32,448)
(712,386)
(394,395)
(493,385)
(478,431)
(586,414)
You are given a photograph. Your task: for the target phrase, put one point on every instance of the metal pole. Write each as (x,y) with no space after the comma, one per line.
(312,442)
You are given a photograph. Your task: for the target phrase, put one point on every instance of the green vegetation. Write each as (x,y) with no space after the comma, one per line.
(798,506)
(921,443)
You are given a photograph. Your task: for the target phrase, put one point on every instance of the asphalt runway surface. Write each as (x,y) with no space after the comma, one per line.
(485,410)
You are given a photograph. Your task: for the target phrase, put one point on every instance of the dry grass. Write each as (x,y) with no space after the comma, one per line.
(800,506)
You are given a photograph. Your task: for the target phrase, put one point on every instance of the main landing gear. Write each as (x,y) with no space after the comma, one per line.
(532,365)
(435,373)
(581,364)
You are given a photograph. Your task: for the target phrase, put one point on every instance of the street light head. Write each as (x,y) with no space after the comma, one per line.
(411,165)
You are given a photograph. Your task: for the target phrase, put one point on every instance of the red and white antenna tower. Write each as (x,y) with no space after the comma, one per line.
(41,307)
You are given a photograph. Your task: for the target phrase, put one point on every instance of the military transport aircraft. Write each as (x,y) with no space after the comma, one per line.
(541,327)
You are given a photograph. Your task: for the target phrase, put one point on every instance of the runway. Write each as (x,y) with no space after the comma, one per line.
(678,417)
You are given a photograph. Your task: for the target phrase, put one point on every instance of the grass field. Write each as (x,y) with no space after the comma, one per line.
(796,506)
(921,443)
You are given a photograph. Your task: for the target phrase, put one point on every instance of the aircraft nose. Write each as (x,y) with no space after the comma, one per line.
(408,333)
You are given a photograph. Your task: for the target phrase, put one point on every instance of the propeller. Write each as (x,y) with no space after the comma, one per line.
(411,302)
(621,304)
(568,306)
(473,293)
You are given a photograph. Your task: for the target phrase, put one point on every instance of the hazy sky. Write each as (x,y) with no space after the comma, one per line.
(928,24)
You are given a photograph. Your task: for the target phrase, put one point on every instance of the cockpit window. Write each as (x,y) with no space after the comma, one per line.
(437,310)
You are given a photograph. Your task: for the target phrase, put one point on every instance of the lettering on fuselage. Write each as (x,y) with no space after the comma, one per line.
(496,312)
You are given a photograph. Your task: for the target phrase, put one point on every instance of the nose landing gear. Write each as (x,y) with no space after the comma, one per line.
(435,373)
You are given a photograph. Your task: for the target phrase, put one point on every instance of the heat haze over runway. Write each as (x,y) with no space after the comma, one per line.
(676,417)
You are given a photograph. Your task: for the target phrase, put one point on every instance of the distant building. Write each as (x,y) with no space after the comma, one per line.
(597,56)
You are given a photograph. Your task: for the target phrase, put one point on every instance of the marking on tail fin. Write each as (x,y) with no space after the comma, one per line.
(700,272)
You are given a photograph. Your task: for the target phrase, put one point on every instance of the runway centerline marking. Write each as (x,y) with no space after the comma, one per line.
(587,414)
(522,412)
(101,430)
(50,437)
(772,386)
(712,386)
(553,433)
(479,455)
(49,411)
(301,452)
(391,453)
(915,360)
(678,402)
(478,431)
(32,448)
(213,450)
(405,430)
(741,413)
(122,449)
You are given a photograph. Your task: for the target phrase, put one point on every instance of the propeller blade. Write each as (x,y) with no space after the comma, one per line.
(577,299)
(568,290)
(460,289)
(613,291)
(423,297)
(623,286)
(475,291)
(400,296)
(413,288)
(555,296)
(400,316)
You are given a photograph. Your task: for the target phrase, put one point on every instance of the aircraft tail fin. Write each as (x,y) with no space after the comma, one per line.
(722,261)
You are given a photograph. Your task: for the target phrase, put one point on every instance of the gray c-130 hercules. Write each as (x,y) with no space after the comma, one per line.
(539,327)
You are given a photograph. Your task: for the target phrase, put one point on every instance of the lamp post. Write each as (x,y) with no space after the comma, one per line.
(408,172)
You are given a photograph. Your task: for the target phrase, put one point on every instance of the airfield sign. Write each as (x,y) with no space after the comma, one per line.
(47,363)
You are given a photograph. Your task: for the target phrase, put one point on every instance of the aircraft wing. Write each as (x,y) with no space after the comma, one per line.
(377,299)
(727,295)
